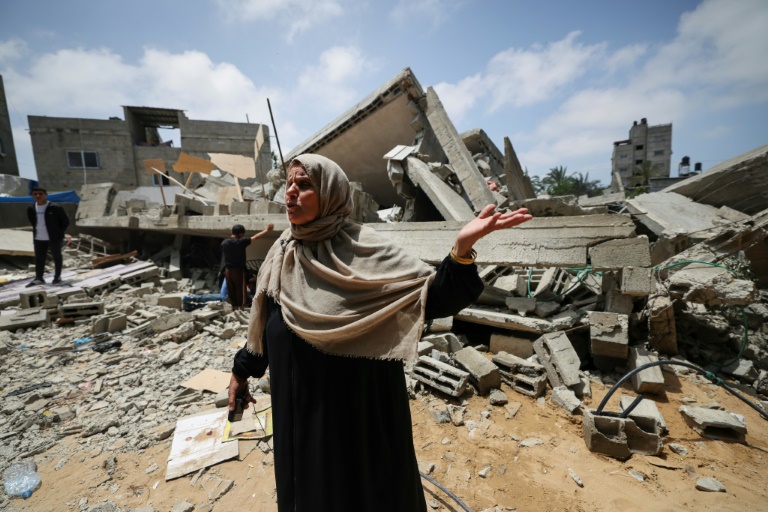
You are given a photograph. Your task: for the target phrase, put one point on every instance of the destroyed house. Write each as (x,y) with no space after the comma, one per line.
(645,143)
(72,152)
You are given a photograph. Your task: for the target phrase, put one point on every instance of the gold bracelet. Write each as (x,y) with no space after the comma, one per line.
(464,261)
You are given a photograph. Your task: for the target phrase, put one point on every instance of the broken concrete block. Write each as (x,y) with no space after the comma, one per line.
(440,376)
(545,309)
(557,355)
(102,285)
(520,347)
(522,305)
(645,414)
(650,380)
(38,299)
(446,342)
(110,322)
(637,281)
(566,399)
(24,319)
(438,325)
(172,300)
(167,322)
(662,333)
(620,253)
(425,348)
(81,310)
(169,285)
(615,301)
(742,369)
(523,376)
(609,334)
(710,285)
(714,424)
(483,373)
(618,437)
(139,276)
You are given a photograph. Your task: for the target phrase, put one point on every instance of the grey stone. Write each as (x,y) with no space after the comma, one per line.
(444,342)
(662,332)
(182,506)
(522,305)
(637,281)
(609,334)
(520,347)
(566,399)
(531,442)
(100,424)
(498,397)
(645,414)
(709,484)
(650,380)
(713,286)
(620,253)
(678,449)
(556,353)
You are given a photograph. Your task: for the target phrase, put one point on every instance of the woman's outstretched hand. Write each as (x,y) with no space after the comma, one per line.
(487,222)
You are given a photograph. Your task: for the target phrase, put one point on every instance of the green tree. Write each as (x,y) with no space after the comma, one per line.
(557,182)
(583,186)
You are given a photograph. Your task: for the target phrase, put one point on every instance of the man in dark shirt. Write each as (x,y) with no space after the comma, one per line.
(233,250)
(49,221)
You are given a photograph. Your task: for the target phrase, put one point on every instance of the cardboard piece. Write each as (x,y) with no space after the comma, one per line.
(155,166)
(209,380)
(197,443)
(256,425)
(189,163)
(242,167)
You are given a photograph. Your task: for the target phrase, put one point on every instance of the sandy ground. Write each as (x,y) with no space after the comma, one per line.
(520,478)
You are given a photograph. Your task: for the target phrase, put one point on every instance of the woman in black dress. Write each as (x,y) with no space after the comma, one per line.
(338,308)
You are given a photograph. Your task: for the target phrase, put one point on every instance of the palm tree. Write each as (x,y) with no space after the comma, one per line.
(557,181)
(583,186)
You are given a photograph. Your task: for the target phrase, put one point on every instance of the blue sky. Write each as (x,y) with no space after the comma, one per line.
(562,79)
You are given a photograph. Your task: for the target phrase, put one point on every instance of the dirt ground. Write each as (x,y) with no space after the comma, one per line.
(520,478)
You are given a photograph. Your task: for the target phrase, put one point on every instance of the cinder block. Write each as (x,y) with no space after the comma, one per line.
(662,332)
(172,300)
(645,415)
(110,322)
(609,334)
(523,376)
(240,208)
(440,376)
(38,299)
(81,310)
(520,347)
(557,355)
(103,285)
(650,380)
(637,281)
(619,437)
(620,253)
(483,373)
(140,276)
(714,424)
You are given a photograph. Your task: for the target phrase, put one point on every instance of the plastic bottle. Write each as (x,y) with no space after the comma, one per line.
(21,479)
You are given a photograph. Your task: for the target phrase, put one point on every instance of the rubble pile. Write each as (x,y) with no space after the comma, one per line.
(590,290)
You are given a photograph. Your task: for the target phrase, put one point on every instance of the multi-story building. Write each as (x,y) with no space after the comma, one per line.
(70,152)
(8,162)
(645,143)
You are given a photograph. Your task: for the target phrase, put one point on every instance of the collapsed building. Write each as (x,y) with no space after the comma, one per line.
(577,294)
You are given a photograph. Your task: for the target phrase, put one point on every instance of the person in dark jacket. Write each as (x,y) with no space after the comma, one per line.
(49,222)
(233,250)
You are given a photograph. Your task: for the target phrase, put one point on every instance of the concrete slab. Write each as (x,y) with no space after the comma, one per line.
(740,183)
(518,183)
(668,214)
(614,254)
(459,158)
(714,286)
(482,373)
(450,205)
(16,242)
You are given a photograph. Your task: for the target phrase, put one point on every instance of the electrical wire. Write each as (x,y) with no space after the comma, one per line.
(446,491)
(709,375)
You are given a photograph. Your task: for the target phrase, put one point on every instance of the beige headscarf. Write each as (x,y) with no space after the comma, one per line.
(342,287)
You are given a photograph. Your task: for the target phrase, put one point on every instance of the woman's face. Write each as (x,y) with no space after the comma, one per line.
(302,201)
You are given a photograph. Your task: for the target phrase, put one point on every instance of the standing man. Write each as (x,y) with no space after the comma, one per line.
(49,221)
(233,250)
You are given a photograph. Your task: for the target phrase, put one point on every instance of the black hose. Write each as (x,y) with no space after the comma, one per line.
(446,491)
(709,375)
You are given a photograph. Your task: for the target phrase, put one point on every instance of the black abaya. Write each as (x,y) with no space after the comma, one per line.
(343,439)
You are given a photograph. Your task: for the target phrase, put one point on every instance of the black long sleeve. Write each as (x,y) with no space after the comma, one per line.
(455,287)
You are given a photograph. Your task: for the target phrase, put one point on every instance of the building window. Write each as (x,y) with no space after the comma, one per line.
(622,169)
(658,152)
(639,147)
(638,162)
(623,157)
(659,138)
(156,180)
(80,159)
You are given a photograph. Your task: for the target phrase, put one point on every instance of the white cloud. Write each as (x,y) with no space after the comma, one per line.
(461,98)
(327,85)
(625,58)
(526,77)
(297,15)
(11,50)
